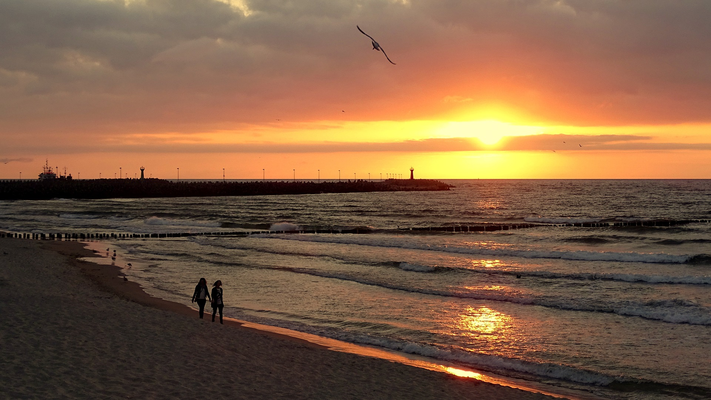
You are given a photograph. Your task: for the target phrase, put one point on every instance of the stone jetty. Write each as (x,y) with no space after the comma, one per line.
(146,188)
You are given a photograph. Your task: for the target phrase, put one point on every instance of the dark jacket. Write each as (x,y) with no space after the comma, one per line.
(196,294)
(217,296)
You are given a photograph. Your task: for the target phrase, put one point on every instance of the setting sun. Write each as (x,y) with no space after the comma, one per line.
(488,132)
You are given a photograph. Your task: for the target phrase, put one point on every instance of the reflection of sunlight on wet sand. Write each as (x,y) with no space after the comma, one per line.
(407,359)
(463,373)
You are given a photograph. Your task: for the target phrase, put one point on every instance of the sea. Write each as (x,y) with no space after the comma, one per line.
(587,288)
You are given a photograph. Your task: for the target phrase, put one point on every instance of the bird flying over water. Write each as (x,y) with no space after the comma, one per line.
(376,45)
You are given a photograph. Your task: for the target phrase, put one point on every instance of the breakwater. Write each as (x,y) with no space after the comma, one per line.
(489,227)
(137,188)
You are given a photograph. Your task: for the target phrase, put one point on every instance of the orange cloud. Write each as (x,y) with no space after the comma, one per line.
(86,76)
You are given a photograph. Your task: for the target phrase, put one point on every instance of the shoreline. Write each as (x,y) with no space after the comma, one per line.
(110,339)
(133,291)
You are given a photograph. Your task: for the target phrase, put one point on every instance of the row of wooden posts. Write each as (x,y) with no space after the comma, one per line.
(90,236)
(458,228)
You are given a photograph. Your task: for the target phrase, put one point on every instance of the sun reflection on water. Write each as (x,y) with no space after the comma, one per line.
(482,321)
(487,263)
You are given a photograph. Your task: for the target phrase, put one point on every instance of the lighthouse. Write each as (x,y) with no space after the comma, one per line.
(412,173)
(142,169)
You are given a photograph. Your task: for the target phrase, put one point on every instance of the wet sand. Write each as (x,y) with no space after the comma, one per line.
(75,329)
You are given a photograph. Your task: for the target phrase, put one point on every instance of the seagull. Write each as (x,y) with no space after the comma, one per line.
(376,46)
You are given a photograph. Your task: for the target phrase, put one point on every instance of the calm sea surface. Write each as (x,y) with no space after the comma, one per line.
(618,311)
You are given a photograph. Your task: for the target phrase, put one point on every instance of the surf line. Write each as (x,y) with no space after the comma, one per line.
(419,362)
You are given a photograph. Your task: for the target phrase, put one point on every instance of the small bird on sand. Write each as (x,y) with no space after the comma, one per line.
(376,46)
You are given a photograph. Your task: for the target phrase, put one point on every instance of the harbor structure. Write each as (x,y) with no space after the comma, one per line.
(47,172)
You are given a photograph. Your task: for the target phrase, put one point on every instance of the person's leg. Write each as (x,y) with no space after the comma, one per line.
(214,310)
(201,305)
(221,307)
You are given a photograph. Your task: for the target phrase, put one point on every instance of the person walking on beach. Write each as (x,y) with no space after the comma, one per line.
(200,294)
(217,299)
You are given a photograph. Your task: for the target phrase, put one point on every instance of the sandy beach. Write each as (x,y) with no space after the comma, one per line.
(73,329)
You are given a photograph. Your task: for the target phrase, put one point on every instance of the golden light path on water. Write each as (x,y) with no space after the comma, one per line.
(483,320)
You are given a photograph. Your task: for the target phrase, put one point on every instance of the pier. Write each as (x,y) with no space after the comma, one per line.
(152,188)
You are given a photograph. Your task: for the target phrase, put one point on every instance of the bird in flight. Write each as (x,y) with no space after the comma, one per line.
(376,46)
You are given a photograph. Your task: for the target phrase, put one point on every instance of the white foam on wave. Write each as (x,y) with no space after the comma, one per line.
(500,364)
(671,311)
(471,359)
(284,227)
(582,276)
(561,220)
(581,255)
(156,221)
(78,216)
(415,267)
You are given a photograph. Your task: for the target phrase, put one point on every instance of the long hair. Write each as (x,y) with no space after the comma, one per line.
(216,282)
(203,282)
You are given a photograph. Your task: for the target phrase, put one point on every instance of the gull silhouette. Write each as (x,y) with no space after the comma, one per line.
(376,46)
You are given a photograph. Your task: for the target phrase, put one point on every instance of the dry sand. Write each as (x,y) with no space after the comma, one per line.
(74,330)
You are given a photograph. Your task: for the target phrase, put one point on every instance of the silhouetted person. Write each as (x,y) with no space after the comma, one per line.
(200,295)
(217,299)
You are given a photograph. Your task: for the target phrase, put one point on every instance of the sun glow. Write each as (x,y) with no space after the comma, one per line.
(489,132)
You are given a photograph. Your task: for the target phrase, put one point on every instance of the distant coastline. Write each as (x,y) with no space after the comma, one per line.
(147,188)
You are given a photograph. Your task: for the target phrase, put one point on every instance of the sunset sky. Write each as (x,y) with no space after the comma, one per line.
(284,88)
